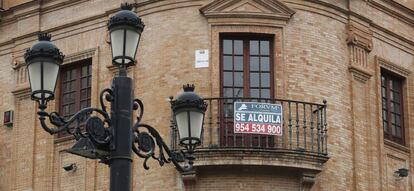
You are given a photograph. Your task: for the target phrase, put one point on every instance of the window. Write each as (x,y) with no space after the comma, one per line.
(247,66)
(392,107)
(75,89)
(246,75)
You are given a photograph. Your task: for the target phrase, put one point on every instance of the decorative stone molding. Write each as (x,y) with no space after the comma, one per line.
(306,181)
(360,74)
(247,9)
(20,69)
(392,67)
(360,44)
(79,56)
(359,37)
(22,92)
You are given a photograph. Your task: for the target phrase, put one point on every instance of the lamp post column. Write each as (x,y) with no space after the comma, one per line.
(121,144)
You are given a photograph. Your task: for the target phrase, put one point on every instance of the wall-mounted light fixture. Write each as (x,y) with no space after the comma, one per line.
(402,172)
(70,167)
(8,118)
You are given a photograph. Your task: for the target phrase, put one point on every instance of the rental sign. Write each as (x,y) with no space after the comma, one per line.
(258,118)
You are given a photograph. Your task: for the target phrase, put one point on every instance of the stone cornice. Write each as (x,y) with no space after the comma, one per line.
(405,15)
(264,9)
(393,67)
(375,27)
(22,92)
(359,73)
(79,56)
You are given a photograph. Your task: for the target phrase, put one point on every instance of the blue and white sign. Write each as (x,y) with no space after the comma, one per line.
(258,118)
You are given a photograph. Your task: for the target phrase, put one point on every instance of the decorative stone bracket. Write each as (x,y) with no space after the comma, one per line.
(306,181)
(360,44)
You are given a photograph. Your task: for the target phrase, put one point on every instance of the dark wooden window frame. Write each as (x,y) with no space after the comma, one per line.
(245,37)
(243,139)
(77,66)
(387,118)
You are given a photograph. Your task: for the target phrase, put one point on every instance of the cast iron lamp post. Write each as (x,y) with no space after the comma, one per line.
(111,137)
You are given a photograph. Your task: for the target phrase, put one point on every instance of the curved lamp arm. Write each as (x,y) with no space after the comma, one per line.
(147,139)
(60,124)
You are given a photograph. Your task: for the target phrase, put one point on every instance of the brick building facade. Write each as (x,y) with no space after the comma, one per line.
(358,55)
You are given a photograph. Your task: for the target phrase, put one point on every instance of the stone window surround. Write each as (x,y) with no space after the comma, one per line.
(277,34)
(382,63)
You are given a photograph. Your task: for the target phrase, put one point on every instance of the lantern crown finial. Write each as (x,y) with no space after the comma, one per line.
(126,6)
(44,36)
(188,87)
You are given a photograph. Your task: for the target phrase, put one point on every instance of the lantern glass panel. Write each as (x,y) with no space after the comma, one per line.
(35,76)
(50,73)
(117,42)
(196,123)
(132,38)
(182,124)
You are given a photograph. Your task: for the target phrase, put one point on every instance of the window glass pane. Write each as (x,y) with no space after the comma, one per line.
(238,63)
(238,47)
(227,79)
(264,61)
(254,80)
(72,97)
(72,108)
(89,81)
(228,63)
(84,82)
(396,97)
(66,110)
(398,120)
(73,85)
(264,47)
(227,47)
(396,84)
(228,92)
(254,93)
(84,71)
(238,92)
(228,110)
(83,104)
(383,93)
(84,94)
(397,108)
(398,132)
(265,80)
(393,130)
(254,63)
(382,81)
(238,79)
(384,115)
(265,93)
(254,47)
(384,103)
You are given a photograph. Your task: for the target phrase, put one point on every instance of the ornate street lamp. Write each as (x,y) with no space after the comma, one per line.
(125,30)
(43,62)
(112,138)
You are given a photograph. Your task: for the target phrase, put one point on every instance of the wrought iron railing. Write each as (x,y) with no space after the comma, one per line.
(304,128)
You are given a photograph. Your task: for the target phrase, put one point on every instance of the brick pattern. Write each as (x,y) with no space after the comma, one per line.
(312,58)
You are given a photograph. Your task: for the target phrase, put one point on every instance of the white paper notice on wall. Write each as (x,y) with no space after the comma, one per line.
(201,58)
